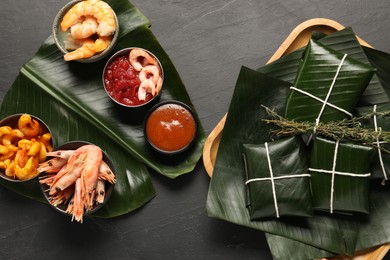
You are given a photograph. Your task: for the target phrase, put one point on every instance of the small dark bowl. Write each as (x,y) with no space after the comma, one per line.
(165,135)
(141,106)
(12,121)
(60,36)
(108,186)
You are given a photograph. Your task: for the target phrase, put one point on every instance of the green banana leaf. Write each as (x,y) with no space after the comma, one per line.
(350,193)
(226,197)
(321,235)
(284,158)
(350,80)
(344,41)
(70,98)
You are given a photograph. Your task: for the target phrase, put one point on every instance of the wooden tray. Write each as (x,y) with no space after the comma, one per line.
(298,38)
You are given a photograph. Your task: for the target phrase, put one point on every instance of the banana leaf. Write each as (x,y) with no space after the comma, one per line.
(70,98)
(226,196)
(269,196)
(335,192)
(344,41)
(345,78)
(320,236)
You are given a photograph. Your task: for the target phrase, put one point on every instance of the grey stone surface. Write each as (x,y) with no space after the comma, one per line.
(208,41)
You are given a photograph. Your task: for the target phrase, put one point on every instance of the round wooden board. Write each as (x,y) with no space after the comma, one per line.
(298,38)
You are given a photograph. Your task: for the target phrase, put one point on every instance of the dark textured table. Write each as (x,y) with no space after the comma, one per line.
(208,41)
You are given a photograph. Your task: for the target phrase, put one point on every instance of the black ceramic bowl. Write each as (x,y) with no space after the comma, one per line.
(170,127)
(109,74)
(108,186)
(12,121)
(60,37)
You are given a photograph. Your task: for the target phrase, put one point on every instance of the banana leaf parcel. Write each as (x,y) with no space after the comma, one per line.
(321,235)
(277,179)
(328,85)
(340,176)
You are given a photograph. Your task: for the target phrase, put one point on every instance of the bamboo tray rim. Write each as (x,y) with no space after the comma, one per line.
(298,37)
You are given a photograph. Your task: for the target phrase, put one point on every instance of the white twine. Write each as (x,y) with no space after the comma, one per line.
(272,178)
(334,172)
(278,178)
(378,144)
(321,100)
(325,102)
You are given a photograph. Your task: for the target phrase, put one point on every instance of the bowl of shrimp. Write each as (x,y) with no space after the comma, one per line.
(86,30)
(25,141)
(77,179)
(133,77)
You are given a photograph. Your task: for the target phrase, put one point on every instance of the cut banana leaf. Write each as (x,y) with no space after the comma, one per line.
(70,98)
(284,248)
(226,197)
(331,77)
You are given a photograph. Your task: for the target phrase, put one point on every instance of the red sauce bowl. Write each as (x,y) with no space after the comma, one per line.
(170,127)
(122,81)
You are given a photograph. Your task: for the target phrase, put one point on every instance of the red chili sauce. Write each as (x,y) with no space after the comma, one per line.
(122,82)
(170,127)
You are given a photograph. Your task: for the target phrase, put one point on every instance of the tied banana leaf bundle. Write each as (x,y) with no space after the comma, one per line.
(328,85)
(322,235)
(277,179)
(340,176)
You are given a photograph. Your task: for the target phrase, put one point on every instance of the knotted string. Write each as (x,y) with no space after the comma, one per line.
(378,144)
(272,179)
(325,102)
(334,172)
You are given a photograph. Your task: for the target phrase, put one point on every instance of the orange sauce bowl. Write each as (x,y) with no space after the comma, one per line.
(170,127)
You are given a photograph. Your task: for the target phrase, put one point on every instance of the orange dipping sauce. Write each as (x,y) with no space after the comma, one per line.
(170,127)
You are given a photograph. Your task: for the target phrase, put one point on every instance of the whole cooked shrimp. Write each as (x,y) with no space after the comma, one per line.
(100,10)
(62,196)
(139,58)
(78,202)
(88,48)
(68,174)
(90,173)
(84,29)
(53,165)
(105,173)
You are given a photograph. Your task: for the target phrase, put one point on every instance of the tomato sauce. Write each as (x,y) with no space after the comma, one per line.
(171,127)
(122,82)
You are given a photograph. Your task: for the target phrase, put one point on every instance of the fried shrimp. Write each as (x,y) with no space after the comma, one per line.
(28,126)
(23,148)
(98,9)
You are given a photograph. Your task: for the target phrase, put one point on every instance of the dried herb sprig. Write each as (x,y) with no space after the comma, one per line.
(347,129)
